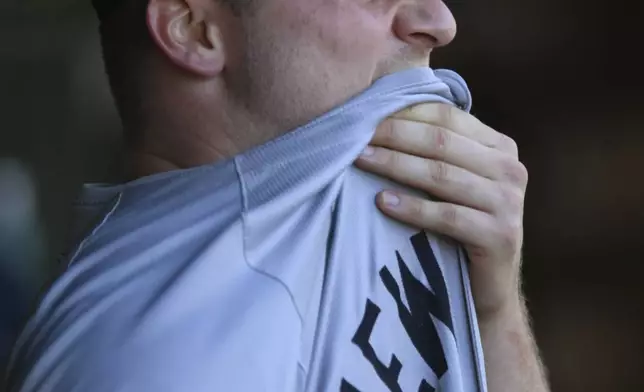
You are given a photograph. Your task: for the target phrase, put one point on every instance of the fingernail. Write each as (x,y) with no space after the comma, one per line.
(368,152)
(390,199)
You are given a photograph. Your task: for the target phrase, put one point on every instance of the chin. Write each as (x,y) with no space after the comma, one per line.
(405,59)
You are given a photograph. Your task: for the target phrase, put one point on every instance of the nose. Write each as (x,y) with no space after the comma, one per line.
(425,24)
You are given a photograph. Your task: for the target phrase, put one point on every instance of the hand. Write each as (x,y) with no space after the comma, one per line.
(475,173)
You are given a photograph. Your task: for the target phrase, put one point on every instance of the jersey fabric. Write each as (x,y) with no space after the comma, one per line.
(272,271)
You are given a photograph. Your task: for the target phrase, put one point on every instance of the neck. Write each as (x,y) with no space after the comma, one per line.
(203,134)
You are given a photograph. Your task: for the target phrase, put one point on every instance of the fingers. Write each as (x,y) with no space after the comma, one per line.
(435,142)
(458,121)
(474,171)
(440,179)
(472,227)
(464,224)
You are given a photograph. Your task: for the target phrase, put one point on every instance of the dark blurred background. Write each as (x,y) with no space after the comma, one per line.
(563,77)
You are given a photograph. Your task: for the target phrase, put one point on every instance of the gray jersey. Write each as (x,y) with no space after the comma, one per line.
(272,271)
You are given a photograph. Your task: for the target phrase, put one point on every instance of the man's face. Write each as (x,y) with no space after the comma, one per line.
(300,58)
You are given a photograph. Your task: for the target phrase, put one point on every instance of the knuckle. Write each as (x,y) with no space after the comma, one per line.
(508,145)
(438,172)
(448,215)
(440,140)
(515,172)
(417,209)
(388,132)
(522,175)
(511,197)
(419,212)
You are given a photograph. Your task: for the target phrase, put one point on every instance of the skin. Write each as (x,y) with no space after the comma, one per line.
(217,82)
(252,78)
(476,173)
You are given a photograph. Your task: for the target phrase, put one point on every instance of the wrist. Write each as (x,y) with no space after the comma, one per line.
(511,311)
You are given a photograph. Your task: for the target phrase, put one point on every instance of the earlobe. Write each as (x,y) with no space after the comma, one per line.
(186,36)
(214,52)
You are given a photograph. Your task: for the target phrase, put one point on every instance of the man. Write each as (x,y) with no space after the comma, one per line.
(246,254)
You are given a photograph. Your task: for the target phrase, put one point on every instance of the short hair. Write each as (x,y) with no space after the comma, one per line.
(105,7)
(125,41)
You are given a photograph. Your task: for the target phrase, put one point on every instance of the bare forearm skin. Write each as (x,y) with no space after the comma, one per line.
(512,361)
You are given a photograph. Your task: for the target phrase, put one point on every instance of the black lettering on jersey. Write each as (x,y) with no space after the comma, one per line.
(438,302)
(347,387)
(423,303)
(424,387)
(388,374)
(417,320)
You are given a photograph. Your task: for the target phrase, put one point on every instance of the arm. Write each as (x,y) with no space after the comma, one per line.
(475,173)
(511,355)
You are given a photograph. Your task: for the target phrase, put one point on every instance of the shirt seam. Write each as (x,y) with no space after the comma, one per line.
(244,197)
(116,201)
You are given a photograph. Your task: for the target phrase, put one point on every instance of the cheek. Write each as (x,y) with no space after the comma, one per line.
(349,36)
(317,57)
(346,32)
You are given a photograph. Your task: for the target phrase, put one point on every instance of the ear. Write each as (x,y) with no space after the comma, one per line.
(183,30)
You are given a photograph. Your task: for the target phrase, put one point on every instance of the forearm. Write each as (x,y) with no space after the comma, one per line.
(512,359)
